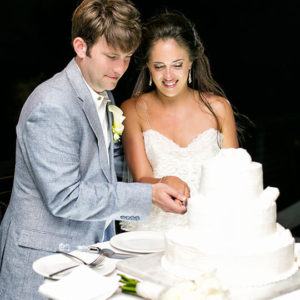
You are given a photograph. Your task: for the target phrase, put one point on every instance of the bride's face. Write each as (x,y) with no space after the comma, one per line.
(169,66)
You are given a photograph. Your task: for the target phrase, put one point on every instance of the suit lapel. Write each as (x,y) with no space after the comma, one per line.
(111,145)
(90,111)
(93,118)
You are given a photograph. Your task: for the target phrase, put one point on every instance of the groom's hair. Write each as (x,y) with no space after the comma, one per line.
(117,20)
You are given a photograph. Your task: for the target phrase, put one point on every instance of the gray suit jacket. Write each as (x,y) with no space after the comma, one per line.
(64,188)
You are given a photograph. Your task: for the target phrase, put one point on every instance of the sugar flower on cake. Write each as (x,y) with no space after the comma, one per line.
(118,118)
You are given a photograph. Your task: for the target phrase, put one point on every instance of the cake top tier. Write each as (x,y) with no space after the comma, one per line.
(231,174)
(236,158)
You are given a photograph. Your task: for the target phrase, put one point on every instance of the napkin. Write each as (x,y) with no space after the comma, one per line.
(82,284)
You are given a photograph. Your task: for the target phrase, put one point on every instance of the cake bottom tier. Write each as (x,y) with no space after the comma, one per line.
(247,264)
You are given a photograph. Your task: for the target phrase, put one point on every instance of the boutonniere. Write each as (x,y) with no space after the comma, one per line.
(118,118)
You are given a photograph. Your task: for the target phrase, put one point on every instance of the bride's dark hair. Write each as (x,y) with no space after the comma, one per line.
(174,25)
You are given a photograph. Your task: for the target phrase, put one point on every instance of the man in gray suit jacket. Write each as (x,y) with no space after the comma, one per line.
(65,187)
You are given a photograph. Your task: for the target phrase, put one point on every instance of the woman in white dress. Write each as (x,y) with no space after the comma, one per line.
(178,117)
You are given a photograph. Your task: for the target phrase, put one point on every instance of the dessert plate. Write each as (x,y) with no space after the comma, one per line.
(55,262)
(139,241)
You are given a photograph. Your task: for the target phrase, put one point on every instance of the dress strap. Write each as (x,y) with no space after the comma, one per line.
(145,110)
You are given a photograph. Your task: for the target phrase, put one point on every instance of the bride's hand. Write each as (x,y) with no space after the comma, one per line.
(177,184)
(163,196)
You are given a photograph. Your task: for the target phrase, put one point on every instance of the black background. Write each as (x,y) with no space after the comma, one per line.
(252,47)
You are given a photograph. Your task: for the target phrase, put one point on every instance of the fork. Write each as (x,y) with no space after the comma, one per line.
(110,253)
(72,256)
(96,262)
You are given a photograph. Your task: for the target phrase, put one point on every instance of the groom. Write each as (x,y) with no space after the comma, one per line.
(65,188)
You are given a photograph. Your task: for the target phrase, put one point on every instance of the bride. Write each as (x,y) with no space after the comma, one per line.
(179,116)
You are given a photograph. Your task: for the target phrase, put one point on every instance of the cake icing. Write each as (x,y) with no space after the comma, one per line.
(232,227)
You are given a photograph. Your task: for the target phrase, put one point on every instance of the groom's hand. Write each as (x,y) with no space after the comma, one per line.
(163,195)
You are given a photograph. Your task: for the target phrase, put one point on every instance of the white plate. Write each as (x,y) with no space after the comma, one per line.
(55,262)
(139,241)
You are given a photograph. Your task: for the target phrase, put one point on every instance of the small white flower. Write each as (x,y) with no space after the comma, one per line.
(180,291)
(118,119)
(206,287)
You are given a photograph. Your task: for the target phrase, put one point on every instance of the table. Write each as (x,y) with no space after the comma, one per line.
(295,295)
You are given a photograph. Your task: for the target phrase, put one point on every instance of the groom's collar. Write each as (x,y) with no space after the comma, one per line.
(77,81)
(98,97)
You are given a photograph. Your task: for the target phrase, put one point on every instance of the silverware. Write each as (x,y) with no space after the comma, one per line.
(72,256)
(96,262)
(109,253)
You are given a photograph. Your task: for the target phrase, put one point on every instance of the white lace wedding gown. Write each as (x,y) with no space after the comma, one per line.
(169,159)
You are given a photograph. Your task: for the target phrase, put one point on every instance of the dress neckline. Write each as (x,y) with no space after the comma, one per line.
(190,143)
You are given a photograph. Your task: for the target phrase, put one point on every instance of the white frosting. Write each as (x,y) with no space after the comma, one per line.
(231,176)
(255,218)
(232,227)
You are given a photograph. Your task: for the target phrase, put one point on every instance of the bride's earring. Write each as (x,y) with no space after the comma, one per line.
(150,81)
(190,76)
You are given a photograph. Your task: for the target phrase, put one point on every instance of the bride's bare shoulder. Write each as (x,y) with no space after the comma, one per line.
(128,104)
(137,103)
(219,104)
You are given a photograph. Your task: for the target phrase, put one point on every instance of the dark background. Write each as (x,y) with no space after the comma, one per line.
(253,50)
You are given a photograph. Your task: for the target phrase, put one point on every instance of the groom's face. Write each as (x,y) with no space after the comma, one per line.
(104,66)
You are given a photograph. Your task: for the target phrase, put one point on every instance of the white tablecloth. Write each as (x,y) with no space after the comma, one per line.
(295,295)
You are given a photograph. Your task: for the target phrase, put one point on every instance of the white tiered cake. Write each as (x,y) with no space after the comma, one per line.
(232,227)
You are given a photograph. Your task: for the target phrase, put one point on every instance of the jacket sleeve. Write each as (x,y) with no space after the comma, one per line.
(50,137)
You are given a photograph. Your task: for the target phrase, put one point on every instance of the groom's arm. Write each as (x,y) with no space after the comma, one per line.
(51,137)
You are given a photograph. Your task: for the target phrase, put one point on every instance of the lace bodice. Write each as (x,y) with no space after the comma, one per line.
(169,159)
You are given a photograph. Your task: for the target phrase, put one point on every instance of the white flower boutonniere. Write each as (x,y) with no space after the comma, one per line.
(118,127)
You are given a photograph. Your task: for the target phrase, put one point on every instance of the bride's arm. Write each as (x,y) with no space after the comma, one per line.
(135,154)
(223,109)
(133,143)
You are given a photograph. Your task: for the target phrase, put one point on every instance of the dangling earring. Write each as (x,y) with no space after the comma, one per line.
(150,81)
(190,77)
